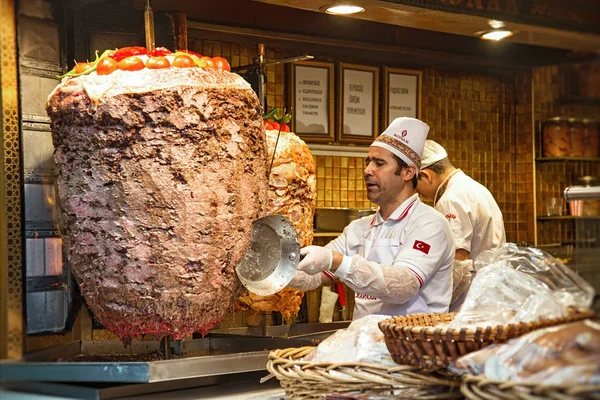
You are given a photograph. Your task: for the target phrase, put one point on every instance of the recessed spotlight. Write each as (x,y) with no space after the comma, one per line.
(343,9)
(496,35)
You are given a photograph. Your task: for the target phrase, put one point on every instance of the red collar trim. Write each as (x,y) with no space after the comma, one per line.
(402,215)
(406,210)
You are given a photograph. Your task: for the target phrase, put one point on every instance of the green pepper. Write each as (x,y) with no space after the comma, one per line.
(271,114)
(72,73)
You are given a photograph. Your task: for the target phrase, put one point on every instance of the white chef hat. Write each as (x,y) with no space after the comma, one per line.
(432,153)
(405,138)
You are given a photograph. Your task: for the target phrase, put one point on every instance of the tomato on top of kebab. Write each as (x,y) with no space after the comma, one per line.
(135,58)
(273,121)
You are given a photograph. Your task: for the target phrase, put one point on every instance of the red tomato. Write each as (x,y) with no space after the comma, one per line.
(159,51)
(268,125)
(82,67)
(157,63)
(183,61)
(106,66)
(285,128)
(275,125)
(193,53)
(221,63)
(125,52)
(208,61)
(131,64)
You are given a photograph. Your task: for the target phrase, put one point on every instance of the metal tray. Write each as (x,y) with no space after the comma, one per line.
(197,358)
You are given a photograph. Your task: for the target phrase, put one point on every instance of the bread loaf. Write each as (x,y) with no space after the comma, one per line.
(563,354)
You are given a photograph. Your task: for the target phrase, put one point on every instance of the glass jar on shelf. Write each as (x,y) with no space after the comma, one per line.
(556,137)
(577,138)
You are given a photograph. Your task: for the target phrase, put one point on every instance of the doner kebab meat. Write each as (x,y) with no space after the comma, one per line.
(161,173)
(292,193)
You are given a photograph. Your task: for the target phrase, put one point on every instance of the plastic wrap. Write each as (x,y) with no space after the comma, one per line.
(361,342)
(568,353)
(515,284)
(568,287)
(461,278)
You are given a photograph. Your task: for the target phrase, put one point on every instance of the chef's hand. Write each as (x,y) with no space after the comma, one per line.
(316,259)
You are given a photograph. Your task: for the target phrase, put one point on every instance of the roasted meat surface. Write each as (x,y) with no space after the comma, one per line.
(287,301)
(293,183)
(160,174)
(292,193)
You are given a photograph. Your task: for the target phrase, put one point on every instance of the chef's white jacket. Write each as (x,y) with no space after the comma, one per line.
(473,214)
(399,266)
(475,219)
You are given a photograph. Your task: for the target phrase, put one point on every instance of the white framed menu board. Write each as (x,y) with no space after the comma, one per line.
(358,103)
(402,97)
(313,101)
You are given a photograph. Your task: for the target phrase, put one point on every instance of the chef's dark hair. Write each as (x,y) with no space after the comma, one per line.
(441,166)
(401,165)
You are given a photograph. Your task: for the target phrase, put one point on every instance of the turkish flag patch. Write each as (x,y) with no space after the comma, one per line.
(421,246)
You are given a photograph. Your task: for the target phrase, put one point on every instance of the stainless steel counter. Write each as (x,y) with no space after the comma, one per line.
(106,369)
(211,356)
(249,390)
(243,390)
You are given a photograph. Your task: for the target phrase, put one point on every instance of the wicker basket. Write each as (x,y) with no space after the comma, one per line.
(413,340)
(481,388)
(306,380)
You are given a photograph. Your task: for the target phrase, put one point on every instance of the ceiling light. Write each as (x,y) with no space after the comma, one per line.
(496,35)
(343,9)
(496,24)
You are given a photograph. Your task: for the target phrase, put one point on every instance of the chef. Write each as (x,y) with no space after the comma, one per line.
(469,207)
(398,261)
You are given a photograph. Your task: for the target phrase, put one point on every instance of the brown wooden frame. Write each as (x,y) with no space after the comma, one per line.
(329,136)
(360,138)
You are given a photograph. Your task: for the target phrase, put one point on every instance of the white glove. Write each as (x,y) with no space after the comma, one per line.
(316,259)
(461,278)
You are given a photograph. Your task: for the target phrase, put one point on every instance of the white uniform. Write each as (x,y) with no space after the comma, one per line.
(414,246)
(473,214)
(475,219)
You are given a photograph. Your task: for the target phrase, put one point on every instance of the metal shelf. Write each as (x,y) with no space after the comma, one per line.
(580,100)
(566,159)
(565,217)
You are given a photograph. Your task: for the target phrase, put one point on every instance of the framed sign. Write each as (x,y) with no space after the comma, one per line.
(402,94)
(312,101)
(358,103)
